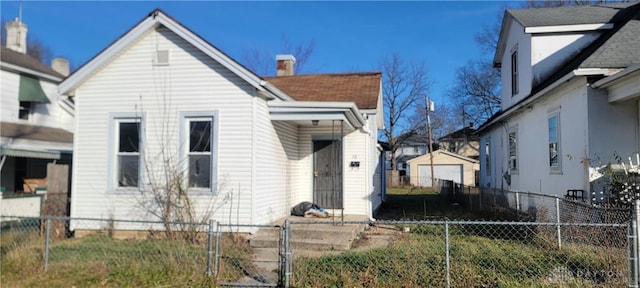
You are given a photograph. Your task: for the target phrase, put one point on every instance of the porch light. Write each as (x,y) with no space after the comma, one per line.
(314,122)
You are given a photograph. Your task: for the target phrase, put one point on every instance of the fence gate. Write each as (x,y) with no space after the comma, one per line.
(259,262)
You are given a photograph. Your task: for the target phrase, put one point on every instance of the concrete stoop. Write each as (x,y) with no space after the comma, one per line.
(303,236)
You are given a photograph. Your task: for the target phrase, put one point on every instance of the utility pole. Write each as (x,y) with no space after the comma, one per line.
(429,142)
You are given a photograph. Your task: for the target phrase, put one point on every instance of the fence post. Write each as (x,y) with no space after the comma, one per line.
(632,242)
(446,247)
(285,271)
(558,221)
(210,255)
(47,238)
(518,205)
(216,264)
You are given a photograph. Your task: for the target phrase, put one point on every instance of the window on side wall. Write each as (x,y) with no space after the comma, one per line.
(487,156)
(554,142)
(514,73)
(127,147)
(25,110)
(513,150)
(199,145)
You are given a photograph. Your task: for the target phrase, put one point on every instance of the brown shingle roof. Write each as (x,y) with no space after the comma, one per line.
(361,88)
(25,61)
(14,130)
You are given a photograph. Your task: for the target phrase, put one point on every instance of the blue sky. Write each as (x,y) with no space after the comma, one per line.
(348,36)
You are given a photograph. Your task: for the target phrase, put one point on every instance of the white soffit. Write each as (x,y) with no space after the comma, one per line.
(568,28)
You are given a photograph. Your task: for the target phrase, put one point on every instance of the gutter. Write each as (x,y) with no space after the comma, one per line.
(528,101)
(350,106)
(539,94)
(605,81)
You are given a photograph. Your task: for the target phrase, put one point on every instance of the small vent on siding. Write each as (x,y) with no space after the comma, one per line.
(162,57)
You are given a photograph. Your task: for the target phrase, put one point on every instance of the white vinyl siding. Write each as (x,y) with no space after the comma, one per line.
(193,81)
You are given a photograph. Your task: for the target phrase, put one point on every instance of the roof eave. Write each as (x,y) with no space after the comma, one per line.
(31,72)
(348,108)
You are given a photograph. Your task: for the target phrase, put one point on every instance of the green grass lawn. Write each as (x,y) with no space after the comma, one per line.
(418,260)
(99,261)
(421,204)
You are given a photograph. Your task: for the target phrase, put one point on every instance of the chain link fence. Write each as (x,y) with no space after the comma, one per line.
(416,254)
(108,252)
(525,206)
(478,254)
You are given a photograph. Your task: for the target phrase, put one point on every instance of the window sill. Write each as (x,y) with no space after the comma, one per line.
(201,191)
(123,190)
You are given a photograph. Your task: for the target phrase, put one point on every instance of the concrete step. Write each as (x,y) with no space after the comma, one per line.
(311,236)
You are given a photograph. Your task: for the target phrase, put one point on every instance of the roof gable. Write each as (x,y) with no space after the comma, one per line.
(363,89)
(153,20)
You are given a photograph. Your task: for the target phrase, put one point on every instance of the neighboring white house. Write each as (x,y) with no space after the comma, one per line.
(248,148)
(570,91)
(36,123)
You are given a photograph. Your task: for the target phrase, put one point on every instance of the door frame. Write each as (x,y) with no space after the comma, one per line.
(340,140)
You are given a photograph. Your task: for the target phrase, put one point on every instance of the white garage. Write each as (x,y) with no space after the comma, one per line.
(446,165)
(444,172)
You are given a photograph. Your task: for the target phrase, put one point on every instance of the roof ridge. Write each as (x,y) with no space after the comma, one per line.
(328,74)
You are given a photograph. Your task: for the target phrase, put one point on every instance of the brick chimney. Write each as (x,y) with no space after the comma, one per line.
(17,36)
(61,66)
(285,65)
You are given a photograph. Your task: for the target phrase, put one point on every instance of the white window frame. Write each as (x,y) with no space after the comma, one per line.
(113,165)
(487,156)
(557,168)
(512,152)
(515,87)
(185,119)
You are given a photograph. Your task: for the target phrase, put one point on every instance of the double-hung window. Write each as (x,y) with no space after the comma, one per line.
(487,156)
(198,135)
(126,132)
(513,149)
(554,142)
(514,73)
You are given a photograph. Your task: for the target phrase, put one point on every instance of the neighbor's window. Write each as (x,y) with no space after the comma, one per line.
(513,150)
(487,156)
(514,73)
(554,142)
(199,134)
(452,147)
(24,110)
(127,135)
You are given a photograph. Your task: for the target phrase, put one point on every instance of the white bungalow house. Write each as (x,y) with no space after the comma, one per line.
(161,100)
(570,91)
(36,123)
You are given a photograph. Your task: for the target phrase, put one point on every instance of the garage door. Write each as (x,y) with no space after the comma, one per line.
(445,172)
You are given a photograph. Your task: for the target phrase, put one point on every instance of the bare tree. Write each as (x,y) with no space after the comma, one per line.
(262,60)
(166,193)
(404,85)
(443,120)
(476,91)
